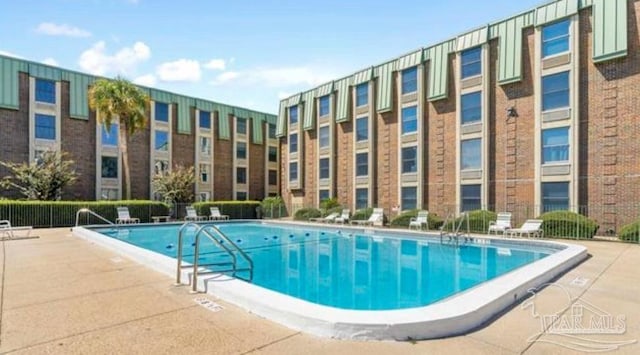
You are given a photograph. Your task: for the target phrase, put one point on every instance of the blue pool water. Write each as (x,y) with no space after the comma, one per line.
(348,269)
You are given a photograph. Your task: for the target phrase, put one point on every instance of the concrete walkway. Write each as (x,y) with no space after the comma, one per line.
(62,295)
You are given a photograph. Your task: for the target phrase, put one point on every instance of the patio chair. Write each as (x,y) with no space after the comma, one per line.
(192,215)
(329,218)
(421,220)
(501,224)
(216,215)
(124,217)
(344,217)
(530,228)
(7,230)
(376,218)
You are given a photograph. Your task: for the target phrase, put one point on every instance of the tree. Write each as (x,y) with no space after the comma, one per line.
(120,101)
(42,179)
(175,186)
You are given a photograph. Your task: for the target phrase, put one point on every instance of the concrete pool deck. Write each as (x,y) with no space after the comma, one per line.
(61,294)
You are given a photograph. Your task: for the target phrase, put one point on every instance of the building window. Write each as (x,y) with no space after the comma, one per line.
(471,154)
(241,196)
(109,167)
(362,198)
(273,154)
(293,171)
(45,127)
(241,150)
(272,131)
(362,129)
(293,143)
(555,38)
(471,198)
(204,173)
(555,196)
(162,112)
(162,141)
(324,168)
(362,94)
(555,145)
(204,196)
(471,62)
(409,160)
(409,80)
(362,164)
(324,137)
(273,177)
(471,107)
(241,125)
(409,120)
(45,91)
(323,195)
(241,175)
(205,119)
(555,91)
(110,138)
(324,105)
(409,198)
(205,145)
(293,115)
(161,167)
(109,194)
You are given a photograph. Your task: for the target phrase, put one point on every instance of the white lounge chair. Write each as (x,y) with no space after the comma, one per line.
(421,220)
(344,217)
(329,218)
(7,230)
(192,215)
(502,224)
(530,228)
(376,218)
(216,215)
(124,217)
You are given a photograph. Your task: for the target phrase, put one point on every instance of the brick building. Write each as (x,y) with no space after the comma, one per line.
(234,150)
(533,113)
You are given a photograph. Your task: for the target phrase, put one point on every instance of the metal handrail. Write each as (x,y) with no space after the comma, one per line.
(455,232)
(195,265)
(86,210)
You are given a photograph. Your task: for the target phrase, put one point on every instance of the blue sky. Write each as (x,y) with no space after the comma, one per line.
(245,53)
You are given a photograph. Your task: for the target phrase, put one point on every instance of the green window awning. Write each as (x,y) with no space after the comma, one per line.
(224,112)
(10,81)
(343,98)
(510,37)
(472,39)
(78,93)
(410,60)
(384,73)
(609,29)
(309,110)
(555,11)
(438,57)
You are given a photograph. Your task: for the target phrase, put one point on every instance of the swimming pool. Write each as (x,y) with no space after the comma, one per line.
(354,283)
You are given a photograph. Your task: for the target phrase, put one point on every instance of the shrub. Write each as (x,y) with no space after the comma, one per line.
(404,218)
(478,221)
(176,185)
(567,224)
(304,214)
(234,209)
(329,204)
(273,207)
(630,232)
(49,214)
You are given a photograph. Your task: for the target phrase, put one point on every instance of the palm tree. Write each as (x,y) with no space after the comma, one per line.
(120,101)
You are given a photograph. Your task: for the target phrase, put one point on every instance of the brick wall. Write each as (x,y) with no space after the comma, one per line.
(257,163)
(387,155)
(139,150)
(223,164)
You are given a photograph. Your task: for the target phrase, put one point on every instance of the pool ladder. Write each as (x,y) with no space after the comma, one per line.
(226,244)
(456,233)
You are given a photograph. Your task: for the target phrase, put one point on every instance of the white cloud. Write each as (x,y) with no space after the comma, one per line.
(50,61)
(216,64)
(52,29)
(97,61)
(276,77)
(146,80)
(284,95)
(9,54)
(179,70)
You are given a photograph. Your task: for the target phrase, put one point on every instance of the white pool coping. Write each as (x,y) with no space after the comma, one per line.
(455,315)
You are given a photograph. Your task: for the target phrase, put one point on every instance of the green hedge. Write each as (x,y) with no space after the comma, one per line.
(304,214)
(404,218)
(566,224)
(630,232)
(234,209)
(49,214)
(478,221)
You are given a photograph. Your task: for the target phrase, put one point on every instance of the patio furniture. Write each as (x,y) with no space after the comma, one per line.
(216,215)
(124,217)
(344,217)
(422,219)
(329,218)
(192,215)
(7,230)
(376,218)
(501,224)
(530,228)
